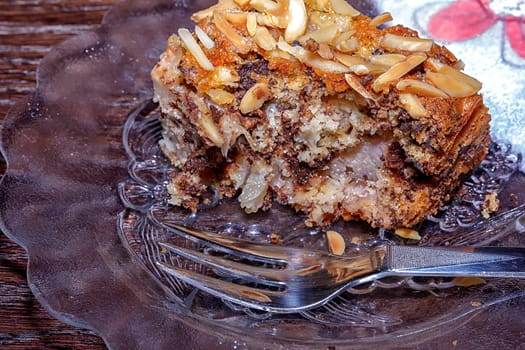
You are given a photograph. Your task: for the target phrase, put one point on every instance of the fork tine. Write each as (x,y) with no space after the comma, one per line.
(273,254)
(271,276)
(236,293)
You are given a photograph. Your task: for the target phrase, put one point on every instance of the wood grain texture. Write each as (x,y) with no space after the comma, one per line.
(28,30)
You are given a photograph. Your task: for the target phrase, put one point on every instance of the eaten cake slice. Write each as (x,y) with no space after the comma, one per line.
(311,104)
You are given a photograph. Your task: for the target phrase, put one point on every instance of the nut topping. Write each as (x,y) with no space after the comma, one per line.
(254,98)
(419,88)
(336,242)
(408,233)
(264,39)
(241,43)
(381,19)
(397,71)
(451,80)
(412,105)
(193,47)
(251,23)
(204,38)
(297,20)
(405,43)
(344,8)
(355,84)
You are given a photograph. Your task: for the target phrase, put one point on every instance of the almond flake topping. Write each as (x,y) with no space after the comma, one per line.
(326,35)
(412,105)
(193,47)
(336,242)
(204,38)
(264,39)
(419,88)
(355,84)
(380,19)
(405,43)
(297,20)
(344,8)
(251,23)
(240,42)
(254,98)
(398,70)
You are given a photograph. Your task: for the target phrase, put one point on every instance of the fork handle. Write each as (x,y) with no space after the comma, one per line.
(456,261)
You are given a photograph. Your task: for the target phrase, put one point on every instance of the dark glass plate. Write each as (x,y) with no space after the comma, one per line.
(84,195)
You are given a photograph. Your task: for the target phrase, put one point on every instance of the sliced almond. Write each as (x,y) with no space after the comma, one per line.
(264,6)
(311,59)
(322,64)
(251,23)
(274,8)
(211,131)
(241,43)
(387,59)
(264,39)
(297,20)
(468,281)
(412,105)
(349,60)
(434,64)
(355,84)
(238,18)
(223,76)
(321,19)
(204,38)
(220,96)
(405,43)
(397,71)
(357,64)
(325,51)
(451,85)
(344,8)
(408,233)
(272,21)
(193,47)
(380,19)
(420,88)
(456,75)
(254,98)
(208,126)
(347,42)
(336,242)
(454,72)
(322,35)
(350,45)
(241,2)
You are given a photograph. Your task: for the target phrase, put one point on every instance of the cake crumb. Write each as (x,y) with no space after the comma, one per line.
(490,205)
(275,239)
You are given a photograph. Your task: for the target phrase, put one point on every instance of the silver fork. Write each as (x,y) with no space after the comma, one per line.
(283,279)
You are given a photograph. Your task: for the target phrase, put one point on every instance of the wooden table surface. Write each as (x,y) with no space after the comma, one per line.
(28,30)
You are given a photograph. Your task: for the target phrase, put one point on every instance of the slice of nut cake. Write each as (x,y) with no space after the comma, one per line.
(311,104)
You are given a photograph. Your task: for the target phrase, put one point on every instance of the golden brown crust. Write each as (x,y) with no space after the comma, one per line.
(367,123)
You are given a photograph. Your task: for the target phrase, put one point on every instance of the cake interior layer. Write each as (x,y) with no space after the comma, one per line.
(323,154)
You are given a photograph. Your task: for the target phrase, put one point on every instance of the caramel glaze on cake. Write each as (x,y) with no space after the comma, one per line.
(311,104)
